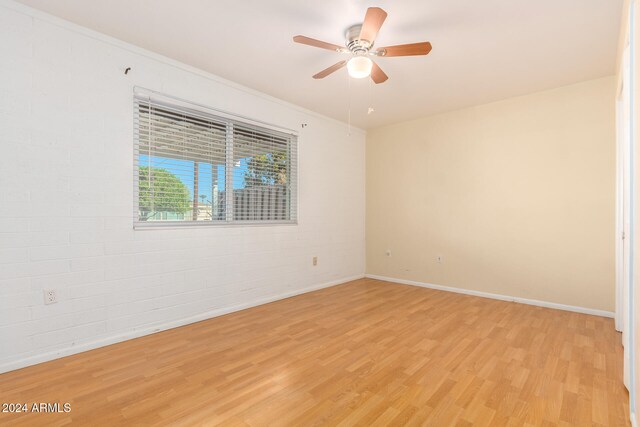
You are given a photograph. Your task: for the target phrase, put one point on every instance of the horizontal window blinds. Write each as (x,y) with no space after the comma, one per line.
(197,167)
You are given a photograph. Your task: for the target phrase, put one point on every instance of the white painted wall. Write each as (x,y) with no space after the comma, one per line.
(66,197)
(516,196)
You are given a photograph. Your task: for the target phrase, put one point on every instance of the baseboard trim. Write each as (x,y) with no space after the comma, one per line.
(546,304)
(152,329)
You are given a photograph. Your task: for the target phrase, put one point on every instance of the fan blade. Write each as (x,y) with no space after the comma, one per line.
(335,67)
(372,22)
(406,49)
(317,43)
(377,75)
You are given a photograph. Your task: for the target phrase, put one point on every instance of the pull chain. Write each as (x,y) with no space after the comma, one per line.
(349,103)
(370,109)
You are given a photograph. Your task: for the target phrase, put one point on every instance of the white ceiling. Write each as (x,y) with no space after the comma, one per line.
(483,50)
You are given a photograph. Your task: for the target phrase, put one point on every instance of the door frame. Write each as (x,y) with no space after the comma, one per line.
(625,164)
(623,212)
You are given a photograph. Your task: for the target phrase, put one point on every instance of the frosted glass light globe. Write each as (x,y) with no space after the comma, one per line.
(359,67)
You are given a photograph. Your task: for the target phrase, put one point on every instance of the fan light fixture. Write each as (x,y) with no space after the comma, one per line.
(359,67)
(359,40)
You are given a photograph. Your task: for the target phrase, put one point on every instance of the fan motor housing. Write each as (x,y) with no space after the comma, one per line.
(356,45)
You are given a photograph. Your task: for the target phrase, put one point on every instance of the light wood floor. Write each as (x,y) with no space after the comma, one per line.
(365,353)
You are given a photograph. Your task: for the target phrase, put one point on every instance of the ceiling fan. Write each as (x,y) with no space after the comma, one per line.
(359,43)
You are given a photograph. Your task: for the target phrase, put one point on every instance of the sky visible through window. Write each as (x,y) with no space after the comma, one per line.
(205,185)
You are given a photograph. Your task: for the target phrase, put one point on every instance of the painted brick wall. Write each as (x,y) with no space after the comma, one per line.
(66,199)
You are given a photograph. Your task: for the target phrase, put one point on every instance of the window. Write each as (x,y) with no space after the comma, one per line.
(197,166)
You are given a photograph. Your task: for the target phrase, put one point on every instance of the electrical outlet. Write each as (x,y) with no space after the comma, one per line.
(315,260)
(388,252)
(439,259)
(50,296)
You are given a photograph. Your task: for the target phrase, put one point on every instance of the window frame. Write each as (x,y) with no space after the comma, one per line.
(146,95)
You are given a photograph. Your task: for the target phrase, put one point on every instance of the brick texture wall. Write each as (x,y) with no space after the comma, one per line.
(66,199)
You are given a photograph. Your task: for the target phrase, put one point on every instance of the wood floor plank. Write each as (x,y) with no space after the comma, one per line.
(364,353)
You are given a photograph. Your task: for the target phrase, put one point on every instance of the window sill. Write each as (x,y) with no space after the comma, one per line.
(175,225)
